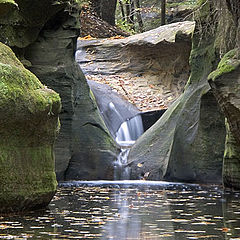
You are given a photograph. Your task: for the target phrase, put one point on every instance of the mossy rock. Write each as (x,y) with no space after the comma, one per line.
(28,127)
(228,63)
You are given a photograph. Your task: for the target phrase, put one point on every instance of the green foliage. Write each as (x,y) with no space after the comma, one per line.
(125,26)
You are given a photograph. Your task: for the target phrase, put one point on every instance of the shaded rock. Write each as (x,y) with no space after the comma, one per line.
(114,109)
(151,117)
(25,20)
(28,127)
(182,145)
(84,149)
(225,82)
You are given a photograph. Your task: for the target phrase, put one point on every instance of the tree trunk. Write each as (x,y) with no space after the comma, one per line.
(122,10)
(138,15)
(108,8)
(163,12)
(128,11)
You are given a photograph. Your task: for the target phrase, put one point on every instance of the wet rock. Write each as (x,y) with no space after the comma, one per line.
(28,128)
(113,107)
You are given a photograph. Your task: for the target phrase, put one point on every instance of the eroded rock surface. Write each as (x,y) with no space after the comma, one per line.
(84,149)
(225,82)
(182,145)
(28,127)
(149,69)
(43,35)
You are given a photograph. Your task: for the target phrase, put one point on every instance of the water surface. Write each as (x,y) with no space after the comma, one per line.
(121,211)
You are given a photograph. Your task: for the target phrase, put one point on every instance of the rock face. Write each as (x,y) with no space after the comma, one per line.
(114,109)
(28,126)
(225,82)
(144,62)
(84,149)
(43,35)
(182,145)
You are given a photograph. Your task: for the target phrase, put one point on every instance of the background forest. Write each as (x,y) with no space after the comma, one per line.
(135,16)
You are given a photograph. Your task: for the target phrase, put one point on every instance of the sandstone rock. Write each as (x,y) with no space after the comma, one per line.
(114,109)
(28,126)
(25,19)
(84,149)
(151,68)
(225,82)
(155,50)
(182,145)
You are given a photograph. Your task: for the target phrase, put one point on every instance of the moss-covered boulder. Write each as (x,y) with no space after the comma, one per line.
(28,127)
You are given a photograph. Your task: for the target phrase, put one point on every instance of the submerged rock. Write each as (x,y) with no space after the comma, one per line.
(28,127)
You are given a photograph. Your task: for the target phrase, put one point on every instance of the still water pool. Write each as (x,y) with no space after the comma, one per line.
(131,210)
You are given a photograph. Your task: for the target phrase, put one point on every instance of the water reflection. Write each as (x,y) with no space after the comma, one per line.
(137,211)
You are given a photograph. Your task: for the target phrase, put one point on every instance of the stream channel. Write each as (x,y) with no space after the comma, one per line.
(127,210)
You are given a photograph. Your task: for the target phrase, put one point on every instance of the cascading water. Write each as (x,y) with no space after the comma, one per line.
(126,136)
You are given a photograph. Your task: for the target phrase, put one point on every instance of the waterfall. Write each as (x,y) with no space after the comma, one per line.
(130,131)
(126,136)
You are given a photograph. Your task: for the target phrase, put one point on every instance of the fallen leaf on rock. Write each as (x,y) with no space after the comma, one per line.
(117,37)
(225,229)
(88,37)
(139,165)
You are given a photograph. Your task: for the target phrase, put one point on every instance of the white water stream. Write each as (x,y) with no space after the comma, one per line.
(127,134)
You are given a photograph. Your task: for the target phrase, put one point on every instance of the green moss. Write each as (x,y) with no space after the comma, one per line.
(231,163)
(28,127)
(228,63)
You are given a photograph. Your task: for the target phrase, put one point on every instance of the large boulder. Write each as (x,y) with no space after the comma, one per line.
(150,69)
(84,149)
(182,145)
(28,127)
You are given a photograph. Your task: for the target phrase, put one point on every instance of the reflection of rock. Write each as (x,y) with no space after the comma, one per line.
(84,149)
(28,126)
(155,63)
(182,145)
(225,83)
